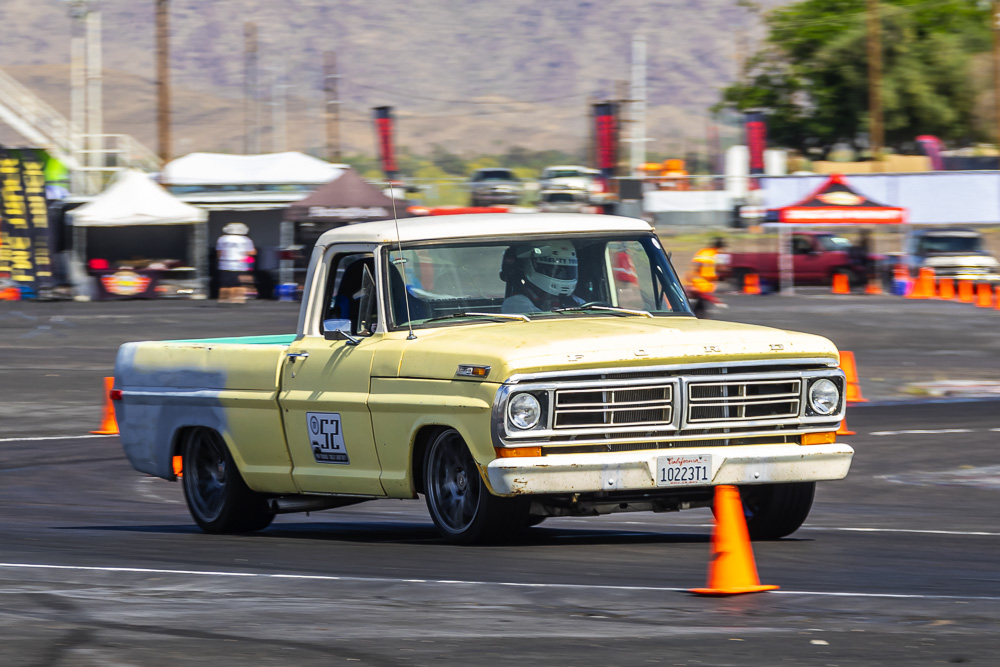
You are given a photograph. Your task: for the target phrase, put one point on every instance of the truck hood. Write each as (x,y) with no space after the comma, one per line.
(936,260)
(566,344)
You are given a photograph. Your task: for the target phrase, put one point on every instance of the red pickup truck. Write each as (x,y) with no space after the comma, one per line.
(816,258)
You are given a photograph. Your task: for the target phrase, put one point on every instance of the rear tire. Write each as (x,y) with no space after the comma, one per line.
(460,504)
(774,511)
(217,497)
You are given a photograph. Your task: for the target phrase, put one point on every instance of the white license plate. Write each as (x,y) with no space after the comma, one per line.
(681,470)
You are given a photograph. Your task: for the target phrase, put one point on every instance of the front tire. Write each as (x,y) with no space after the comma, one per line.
(217,497)
(774,511)
(461,506)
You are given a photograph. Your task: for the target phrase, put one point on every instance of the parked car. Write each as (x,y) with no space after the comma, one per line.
(951,252)
(570,177)
(563,201)
(494,186)
(816,258)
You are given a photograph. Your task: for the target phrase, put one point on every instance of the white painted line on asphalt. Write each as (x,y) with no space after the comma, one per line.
(56,437)
(462,582)
(973,533)
(919,431)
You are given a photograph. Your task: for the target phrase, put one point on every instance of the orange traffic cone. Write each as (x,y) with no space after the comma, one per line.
(841,284)
(109,425)
(843,430)
(946,289)
(984,295)
(965,291)
(751,283)
(851,372)
(997,300)
(873,286)
(732,569)
(923,288)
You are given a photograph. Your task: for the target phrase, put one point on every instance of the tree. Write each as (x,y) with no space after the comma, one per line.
(811,77)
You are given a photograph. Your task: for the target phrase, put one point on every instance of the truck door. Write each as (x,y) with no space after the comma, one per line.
(325,383)
(808,264)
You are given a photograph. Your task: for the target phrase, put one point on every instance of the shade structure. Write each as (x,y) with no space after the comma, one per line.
(134,199)
(345,199)
(835,202)
(269,169)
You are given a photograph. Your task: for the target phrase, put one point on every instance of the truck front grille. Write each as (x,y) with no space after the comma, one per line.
(735,401)
(625,406)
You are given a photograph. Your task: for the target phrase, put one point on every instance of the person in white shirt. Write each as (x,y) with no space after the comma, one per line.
(234,249)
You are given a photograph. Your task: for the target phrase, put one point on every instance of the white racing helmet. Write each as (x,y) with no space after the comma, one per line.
(552,268)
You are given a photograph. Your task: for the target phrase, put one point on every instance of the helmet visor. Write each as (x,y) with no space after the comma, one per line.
(554,267)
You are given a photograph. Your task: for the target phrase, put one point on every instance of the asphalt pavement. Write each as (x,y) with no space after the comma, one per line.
(896,564)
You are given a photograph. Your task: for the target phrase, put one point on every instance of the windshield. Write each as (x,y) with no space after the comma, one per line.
(495,175)
(942,244)
(835,243)
(539,277)
(564,173)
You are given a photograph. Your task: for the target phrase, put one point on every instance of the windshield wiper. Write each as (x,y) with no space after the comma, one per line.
(493,316)
(604,309)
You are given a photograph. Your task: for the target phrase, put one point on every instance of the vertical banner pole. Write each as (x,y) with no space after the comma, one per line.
(383,134)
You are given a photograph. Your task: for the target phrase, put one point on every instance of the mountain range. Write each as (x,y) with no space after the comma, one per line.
(469,75)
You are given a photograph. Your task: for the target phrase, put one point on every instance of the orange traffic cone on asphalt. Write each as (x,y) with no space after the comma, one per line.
(984,295)
(946,289)
(751,283)
(873,286)
(109,424)
(923,288)
(841,284)
(966,291)
(732,569)
(997,300)
(843,430)
(851,373)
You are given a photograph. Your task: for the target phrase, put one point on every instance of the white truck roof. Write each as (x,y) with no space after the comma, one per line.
(480,225)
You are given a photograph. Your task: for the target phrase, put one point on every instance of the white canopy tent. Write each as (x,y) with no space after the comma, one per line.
(217,169)
(133,199)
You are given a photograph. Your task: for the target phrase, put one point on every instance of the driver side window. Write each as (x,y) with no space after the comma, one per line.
(350,294)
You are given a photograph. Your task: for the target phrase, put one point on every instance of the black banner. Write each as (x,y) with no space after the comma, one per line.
(606,138)
(383,135)
(24,232)
(756,128)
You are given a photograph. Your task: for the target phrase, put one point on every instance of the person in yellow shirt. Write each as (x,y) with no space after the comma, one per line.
(703,276)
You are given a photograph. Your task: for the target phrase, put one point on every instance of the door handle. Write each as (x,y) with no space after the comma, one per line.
(292,356)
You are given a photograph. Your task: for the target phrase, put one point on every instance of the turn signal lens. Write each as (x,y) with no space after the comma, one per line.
(512,452)
(819,438)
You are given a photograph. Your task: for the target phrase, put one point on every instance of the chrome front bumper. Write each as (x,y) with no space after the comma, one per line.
(636,471)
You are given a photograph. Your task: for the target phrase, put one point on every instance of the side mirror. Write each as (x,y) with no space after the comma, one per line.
(339,330)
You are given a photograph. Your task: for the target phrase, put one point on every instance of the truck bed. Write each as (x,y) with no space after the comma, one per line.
(230,384)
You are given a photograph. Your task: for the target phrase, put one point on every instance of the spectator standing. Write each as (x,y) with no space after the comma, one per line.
(234,249)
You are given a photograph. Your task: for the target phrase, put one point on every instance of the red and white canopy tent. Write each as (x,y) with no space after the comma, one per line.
(833,203)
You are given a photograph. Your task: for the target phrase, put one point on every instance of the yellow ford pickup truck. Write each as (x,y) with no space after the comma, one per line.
(509,368)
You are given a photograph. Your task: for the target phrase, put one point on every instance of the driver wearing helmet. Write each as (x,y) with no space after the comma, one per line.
(540,277)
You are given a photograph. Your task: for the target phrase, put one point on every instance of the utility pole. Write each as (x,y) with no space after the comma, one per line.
(163,78)
(332,110)
(279,132)
(78,92)
(875,131)
(637,113)
(251,121)
(591,160)
(996,65)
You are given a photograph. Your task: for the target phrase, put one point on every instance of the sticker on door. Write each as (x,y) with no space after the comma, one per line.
(326,439)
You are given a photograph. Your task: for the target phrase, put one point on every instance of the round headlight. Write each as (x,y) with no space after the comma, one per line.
(524,411)
(824,397)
